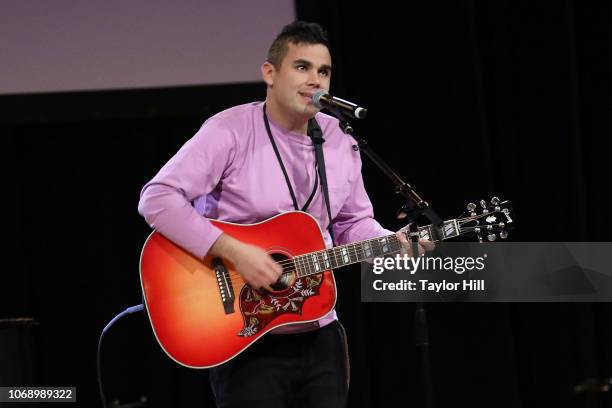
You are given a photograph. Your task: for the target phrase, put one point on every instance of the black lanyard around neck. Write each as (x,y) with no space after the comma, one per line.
(282,165)
(315,133)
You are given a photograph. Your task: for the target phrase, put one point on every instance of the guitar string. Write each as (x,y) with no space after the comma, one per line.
(359,246)
(354,250)
(351,250)
(291,263)
(310,264)
(377,240)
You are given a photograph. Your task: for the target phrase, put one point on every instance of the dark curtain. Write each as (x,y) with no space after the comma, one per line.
(466,99)
(471,99)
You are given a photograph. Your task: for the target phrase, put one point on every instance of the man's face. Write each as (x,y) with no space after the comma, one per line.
(305,69)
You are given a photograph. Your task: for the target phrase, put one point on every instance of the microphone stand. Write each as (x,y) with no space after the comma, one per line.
(414,208)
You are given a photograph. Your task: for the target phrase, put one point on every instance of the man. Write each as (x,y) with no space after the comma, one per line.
(247,164)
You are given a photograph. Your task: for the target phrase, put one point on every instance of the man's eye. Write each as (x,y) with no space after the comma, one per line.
(301,67)
(325,73)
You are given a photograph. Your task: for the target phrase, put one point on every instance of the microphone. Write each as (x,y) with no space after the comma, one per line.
(322,99)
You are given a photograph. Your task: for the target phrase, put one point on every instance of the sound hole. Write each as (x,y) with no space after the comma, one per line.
(287,278)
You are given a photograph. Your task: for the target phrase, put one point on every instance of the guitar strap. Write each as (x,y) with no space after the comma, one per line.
(316,134)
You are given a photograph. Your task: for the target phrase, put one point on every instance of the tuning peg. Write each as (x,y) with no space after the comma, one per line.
(478,235)
(471,207)
(503,234)
(495,200)
(491,237)
(483,204)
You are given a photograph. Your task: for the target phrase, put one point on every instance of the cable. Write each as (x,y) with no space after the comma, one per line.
(129,310)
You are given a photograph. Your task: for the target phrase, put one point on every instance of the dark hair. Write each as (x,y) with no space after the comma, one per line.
(298,32)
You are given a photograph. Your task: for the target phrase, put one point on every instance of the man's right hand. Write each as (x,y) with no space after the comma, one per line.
(256,266)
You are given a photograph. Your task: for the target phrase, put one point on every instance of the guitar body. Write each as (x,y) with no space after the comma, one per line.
(202,312)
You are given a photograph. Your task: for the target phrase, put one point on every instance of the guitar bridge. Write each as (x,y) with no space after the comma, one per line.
(226,290)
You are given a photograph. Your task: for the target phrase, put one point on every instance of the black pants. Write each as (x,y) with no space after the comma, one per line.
(287,370)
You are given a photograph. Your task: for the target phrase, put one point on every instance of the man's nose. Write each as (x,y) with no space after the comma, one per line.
(314,80)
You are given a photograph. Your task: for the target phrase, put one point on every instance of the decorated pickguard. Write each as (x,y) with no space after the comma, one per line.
(259,309)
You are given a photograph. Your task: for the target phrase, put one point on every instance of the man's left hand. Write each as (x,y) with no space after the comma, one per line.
(424,244)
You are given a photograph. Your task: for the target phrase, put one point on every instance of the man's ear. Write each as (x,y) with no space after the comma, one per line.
(267,72)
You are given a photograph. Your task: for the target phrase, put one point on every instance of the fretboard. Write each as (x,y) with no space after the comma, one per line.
(319,261)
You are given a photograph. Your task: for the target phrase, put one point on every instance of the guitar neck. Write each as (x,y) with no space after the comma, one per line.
(319,261)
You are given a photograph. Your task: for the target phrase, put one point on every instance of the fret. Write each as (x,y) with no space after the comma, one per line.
(307,268)
(311,265)
(344,256)
(367,249)
(436,233)
(425,232)
(352,250)
(321,260)
(377,248)
(390,243)
(295,265)
(384,245)
(362,254)
(394,244)
(335,260)
(306,264)
(299,267)
(450,229)
(359,252)
(326,261)
(315,263)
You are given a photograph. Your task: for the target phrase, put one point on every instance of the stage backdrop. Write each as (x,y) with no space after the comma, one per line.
(466,99)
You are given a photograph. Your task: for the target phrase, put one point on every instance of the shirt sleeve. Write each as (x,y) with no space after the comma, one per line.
(194,171)
(355,220)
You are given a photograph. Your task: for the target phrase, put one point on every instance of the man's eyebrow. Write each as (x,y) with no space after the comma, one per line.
(303,62)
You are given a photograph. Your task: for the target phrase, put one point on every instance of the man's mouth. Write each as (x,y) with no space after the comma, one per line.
(306,94)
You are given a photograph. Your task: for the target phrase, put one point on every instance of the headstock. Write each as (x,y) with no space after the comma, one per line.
(489,219)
